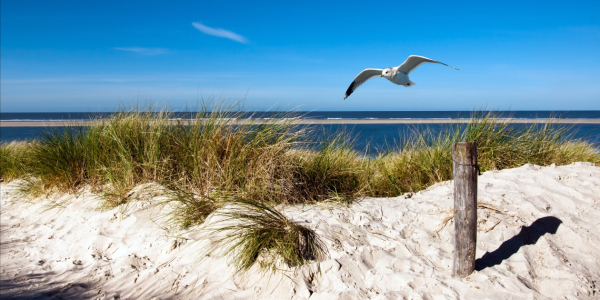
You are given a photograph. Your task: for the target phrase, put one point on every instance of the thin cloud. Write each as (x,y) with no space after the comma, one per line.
(220,33)
(144,51)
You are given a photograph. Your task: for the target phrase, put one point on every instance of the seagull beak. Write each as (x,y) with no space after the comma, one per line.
(380,75)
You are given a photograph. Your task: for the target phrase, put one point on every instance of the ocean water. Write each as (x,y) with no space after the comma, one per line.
(372,138)
(323,115)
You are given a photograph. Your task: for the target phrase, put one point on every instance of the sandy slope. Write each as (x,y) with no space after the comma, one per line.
(538,238)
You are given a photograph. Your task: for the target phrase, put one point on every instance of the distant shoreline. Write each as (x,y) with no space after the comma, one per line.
(323,121)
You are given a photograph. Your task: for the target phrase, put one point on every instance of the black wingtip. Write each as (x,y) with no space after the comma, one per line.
(446,65)
(349,90)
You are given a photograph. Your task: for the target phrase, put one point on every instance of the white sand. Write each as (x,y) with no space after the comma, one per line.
(384,248)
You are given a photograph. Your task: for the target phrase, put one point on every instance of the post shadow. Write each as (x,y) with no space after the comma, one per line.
(527,236)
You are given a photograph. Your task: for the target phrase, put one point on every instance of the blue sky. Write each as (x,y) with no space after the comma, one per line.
(97,55)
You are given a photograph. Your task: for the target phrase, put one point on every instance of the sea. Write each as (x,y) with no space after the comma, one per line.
(370,138)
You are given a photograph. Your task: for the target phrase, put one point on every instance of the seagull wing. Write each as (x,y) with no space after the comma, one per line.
(365,75)
(414,61)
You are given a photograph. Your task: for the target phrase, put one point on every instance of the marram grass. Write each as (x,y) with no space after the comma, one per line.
(267,162)
(254,233)
(14,159)
(425,158)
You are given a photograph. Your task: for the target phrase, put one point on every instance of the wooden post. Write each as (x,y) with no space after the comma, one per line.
(464,156)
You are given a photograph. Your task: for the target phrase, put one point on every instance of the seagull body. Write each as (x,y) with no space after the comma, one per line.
(397,75)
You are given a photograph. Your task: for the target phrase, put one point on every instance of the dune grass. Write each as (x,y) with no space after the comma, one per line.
(257,233)
(425,158)
(14,160)
(214,161)
(214,158)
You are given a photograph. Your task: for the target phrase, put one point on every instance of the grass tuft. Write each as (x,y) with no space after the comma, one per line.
(58,159)
(257,233)
(14,160)
(332,171)
(191,209)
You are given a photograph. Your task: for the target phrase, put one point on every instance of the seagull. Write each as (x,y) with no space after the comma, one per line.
(397,75)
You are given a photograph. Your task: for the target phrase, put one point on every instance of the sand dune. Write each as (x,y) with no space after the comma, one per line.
(537,239)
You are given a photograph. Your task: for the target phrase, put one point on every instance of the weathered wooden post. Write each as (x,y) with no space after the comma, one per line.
(464,157)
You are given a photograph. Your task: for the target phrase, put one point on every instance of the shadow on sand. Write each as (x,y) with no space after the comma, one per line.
(528,236)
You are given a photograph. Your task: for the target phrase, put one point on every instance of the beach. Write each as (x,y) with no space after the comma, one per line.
(537,239)
(276,150)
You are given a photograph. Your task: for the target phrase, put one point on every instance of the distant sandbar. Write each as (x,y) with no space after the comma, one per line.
(321,121)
